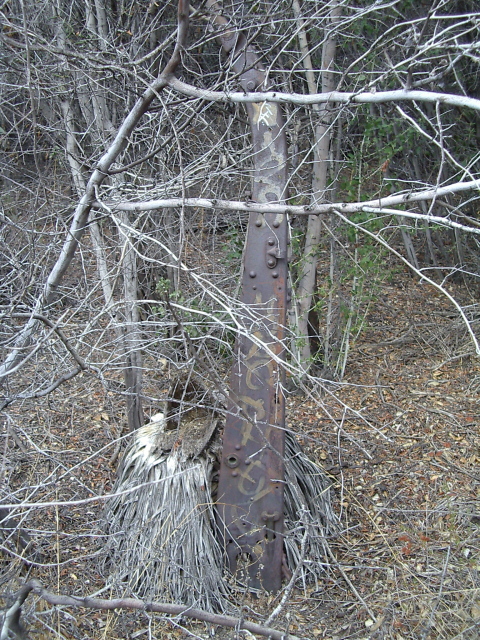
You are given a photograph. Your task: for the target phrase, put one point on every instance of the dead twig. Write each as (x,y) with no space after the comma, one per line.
(351,585)
(288,589)
(12,617)
(429,624)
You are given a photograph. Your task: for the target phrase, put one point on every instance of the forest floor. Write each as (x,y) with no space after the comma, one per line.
(403,460)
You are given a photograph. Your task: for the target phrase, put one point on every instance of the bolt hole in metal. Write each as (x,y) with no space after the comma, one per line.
(232,461)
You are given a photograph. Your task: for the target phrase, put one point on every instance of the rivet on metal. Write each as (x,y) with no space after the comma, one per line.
(276,224)
(274,274)
(234,474)
(275,516)
(271,262)
(250,85)
(238,447)
(271,241)
(258,222)
(254,287)
(252,274)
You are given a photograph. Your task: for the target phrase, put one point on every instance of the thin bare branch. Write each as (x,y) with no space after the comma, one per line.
(88,602)
(313,209)
(38,316)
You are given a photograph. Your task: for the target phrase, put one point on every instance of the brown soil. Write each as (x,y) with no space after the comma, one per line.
(399,439)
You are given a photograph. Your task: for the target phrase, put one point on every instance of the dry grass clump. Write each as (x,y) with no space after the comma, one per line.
(163,538)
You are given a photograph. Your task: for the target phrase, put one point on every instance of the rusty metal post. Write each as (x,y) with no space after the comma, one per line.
(250,491)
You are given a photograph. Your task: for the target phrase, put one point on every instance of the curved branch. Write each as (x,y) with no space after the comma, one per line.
(182,32)
(11,621)
(152,154)
(444,222)
(41,394)
(13,614)
(368,97)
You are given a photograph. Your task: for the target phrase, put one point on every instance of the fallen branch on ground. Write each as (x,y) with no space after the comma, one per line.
(11,623)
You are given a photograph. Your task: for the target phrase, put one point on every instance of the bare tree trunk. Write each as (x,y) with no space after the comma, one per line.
(131,338)
(102,24)
(408,244)
(90,17)
(426,226)
(306,284)
(71,147)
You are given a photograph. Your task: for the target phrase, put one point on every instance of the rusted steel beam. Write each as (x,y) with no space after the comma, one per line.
(250,492)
